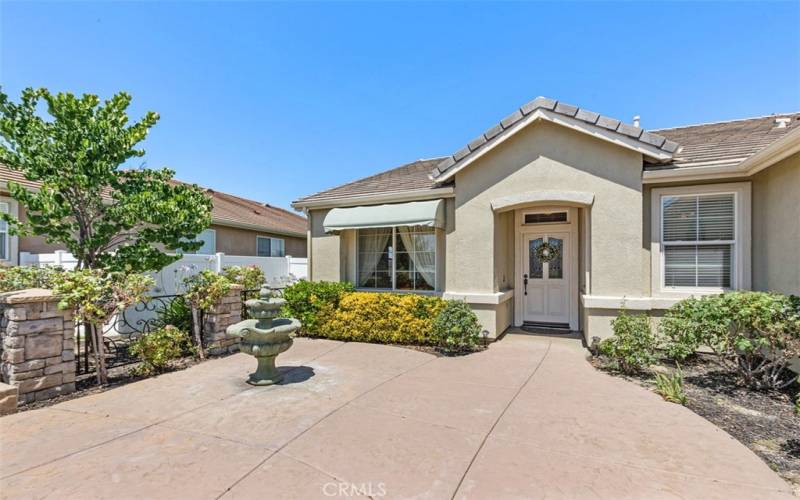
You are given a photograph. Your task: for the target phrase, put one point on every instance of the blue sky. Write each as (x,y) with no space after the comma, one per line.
(273,101)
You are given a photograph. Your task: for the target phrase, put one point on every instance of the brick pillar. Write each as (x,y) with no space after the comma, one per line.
(38,345)
(221,315)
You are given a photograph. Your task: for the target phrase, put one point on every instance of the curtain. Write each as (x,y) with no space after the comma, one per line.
(371,249)
(424,261)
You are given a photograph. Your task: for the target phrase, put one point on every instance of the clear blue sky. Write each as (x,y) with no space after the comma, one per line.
(273,101)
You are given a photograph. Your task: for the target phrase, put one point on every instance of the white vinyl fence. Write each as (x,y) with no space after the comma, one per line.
(169,279)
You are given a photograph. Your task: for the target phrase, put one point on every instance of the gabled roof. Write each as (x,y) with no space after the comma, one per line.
(228,210)
(726,143)
(655,146)
(408,178)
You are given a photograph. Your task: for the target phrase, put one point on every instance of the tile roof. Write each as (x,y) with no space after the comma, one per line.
(724,143)
(228,209)
(514,120)
(409,177)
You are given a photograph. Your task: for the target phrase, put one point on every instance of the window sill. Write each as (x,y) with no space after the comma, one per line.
(432,293)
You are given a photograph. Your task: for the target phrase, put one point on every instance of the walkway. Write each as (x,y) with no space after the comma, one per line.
(528,418)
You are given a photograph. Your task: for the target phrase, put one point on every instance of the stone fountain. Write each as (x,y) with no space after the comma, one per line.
(265,336)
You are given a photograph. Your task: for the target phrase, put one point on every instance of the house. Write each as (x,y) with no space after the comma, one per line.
(239,227)
(558,217)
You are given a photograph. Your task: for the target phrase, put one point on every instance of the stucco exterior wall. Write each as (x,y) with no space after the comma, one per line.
(549,157)
(236,241)
(327,258)
(776,227)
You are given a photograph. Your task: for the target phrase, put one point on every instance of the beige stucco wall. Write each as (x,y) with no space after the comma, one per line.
(327,258)
(236,241)
(776,227)
(549,157)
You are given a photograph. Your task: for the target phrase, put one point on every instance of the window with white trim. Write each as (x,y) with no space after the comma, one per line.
(701,239)
(270,247)
(397,258)
(4,238)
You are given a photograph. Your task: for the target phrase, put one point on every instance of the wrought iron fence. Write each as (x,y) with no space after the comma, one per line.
(128,326)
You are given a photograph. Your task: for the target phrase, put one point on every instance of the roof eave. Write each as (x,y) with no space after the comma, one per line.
(781,149)
(398,196)
(256,227)
(598,132)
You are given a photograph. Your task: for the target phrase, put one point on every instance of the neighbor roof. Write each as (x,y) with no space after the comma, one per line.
(414,176)
(227,209)
(724,143)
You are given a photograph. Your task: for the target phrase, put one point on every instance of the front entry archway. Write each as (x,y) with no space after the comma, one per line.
(546,264)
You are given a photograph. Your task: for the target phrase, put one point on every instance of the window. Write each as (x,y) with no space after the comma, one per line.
(270,247)
(703,233)
(4,239)
(402,258)
(209,239)
(544,218)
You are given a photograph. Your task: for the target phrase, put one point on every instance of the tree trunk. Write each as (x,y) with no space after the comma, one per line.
(99,354)
(197,327)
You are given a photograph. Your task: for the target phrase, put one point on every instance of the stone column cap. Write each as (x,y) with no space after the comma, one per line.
(27,296)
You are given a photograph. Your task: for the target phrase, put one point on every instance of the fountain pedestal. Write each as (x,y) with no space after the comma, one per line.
(265,336)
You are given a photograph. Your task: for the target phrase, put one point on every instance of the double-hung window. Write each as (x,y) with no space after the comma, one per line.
(699,231)
(270,247)
(399,258)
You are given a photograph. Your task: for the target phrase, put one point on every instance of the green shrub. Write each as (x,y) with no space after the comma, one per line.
(206,288)
(693,323)
(158,348)
(305,300)
(456,328)
(670,387)
(632,347)
(22,277)
(177,312)
(764,337)
(380,317)
(754,334)
(250,277)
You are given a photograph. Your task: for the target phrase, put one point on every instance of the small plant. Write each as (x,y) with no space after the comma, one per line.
(307,301)
(206,288)
(456,328)
(250,277)
(693,323)
(177,312)
(22,277)
(632,347)
(670,386)
(157,349)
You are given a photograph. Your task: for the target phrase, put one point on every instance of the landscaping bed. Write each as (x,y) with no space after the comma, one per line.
(763,421)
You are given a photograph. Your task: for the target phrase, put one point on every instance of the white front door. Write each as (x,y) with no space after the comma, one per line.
(547,272)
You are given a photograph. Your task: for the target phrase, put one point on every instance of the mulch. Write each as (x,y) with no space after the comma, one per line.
(764,421)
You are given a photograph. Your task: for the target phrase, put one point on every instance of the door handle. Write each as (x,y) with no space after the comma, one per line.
(525,283)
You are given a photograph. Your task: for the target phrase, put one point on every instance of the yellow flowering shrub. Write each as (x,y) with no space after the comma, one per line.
(381,317)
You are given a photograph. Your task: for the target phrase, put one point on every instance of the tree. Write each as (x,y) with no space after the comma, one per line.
(109,217)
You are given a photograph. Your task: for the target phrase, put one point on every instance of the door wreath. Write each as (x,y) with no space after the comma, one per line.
(547,252)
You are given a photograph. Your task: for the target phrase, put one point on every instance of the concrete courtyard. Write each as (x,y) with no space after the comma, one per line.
(527,418)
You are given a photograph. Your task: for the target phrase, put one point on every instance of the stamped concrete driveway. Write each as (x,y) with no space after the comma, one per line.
(528,418)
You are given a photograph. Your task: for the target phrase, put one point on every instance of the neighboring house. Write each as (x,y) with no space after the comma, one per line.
(558,217)
(239,227)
